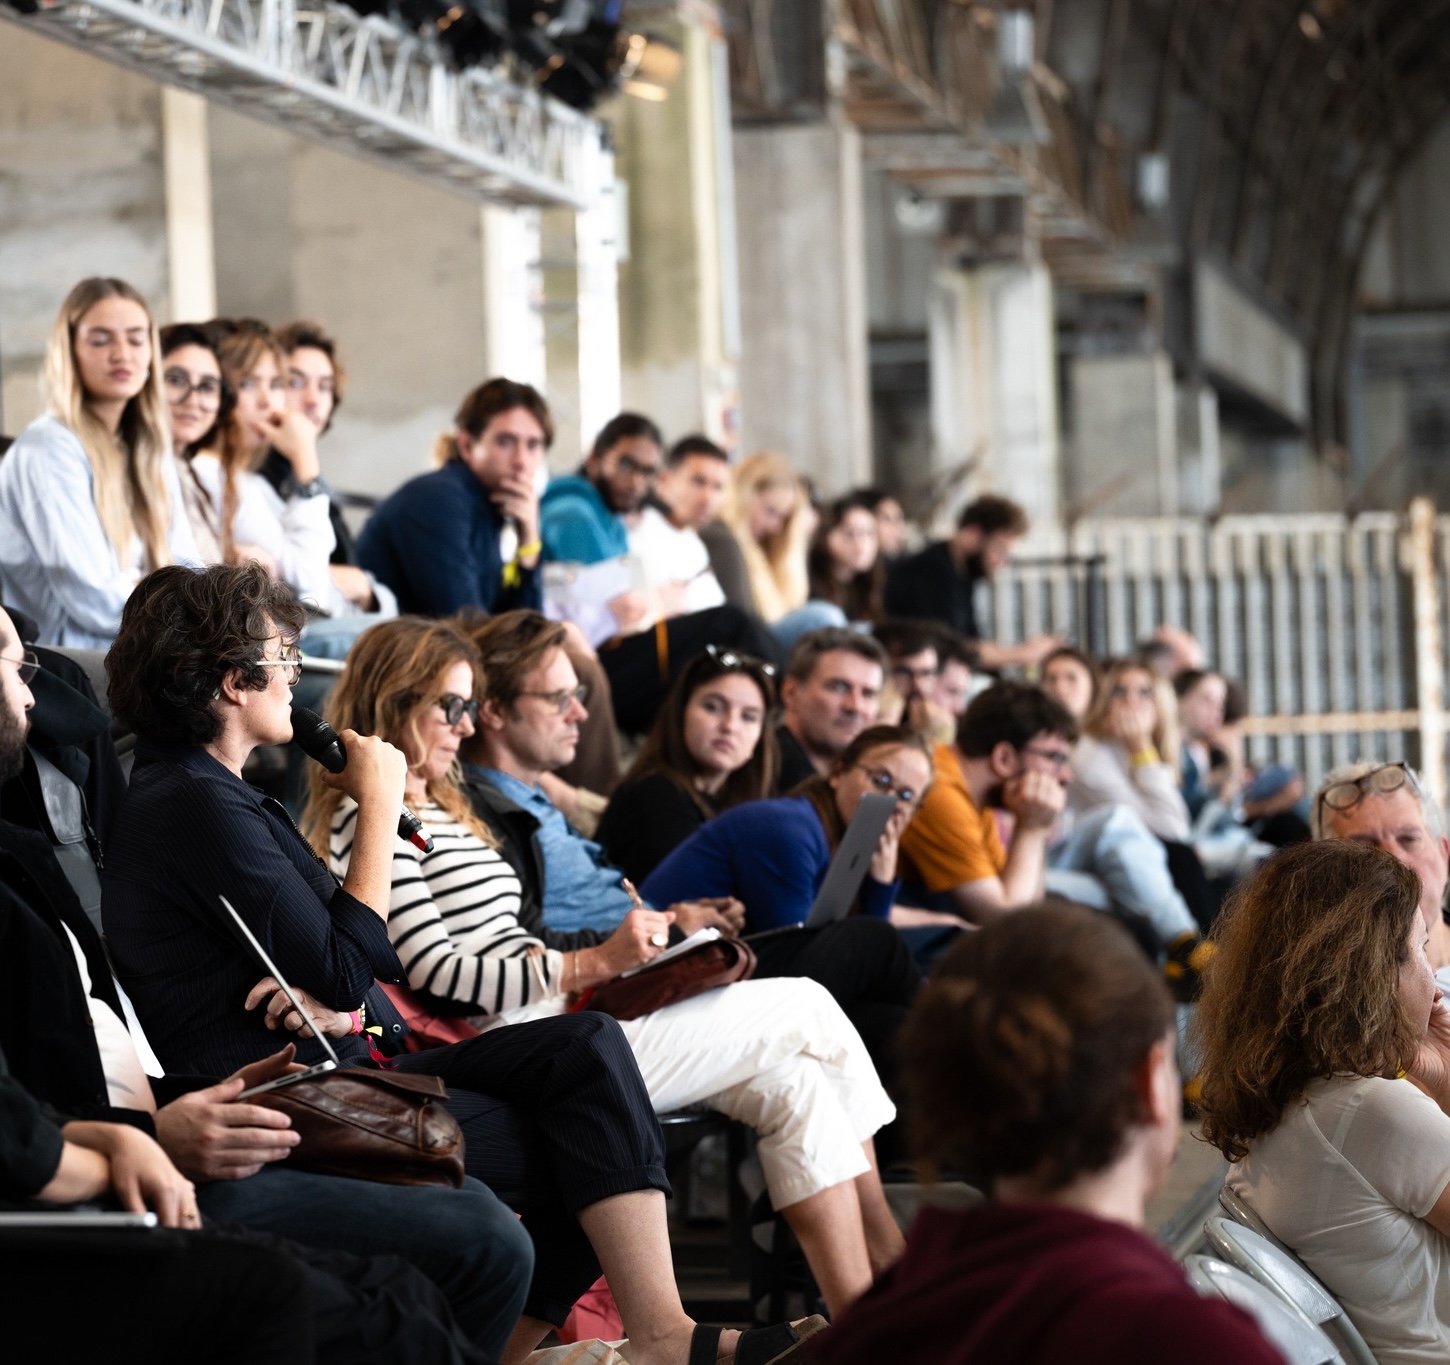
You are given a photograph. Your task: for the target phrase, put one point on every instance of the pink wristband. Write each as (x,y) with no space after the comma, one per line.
(356,1017)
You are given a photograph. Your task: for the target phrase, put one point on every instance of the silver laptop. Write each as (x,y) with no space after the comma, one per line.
(848,868)
(333,1060)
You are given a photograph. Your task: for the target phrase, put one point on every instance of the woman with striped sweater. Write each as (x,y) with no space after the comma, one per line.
(779,1054)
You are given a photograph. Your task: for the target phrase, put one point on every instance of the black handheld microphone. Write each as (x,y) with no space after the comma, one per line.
(317,739)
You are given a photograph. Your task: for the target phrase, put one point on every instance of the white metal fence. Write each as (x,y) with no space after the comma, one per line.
(1335,626)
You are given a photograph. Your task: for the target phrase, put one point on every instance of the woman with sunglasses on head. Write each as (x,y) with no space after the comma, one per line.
(90,500)
(773,855)
(710,749)
(777,1055)
(1324,1050)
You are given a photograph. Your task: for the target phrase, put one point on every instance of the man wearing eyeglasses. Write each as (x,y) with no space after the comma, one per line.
(1013,753)
(1387,805)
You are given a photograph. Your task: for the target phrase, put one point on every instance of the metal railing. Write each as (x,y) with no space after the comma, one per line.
(361,84)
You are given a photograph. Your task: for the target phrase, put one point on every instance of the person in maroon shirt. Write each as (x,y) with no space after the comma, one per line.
(1039,1064)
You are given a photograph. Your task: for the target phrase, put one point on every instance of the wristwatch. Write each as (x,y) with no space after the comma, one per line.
(292,489)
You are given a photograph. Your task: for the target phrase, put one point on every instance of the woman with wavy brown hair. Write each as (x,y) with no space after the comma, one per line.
(1324,1051)
(1039,1065)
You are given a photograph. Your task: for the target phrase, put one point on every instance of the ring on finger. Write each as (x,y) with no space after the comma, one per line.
(659,939)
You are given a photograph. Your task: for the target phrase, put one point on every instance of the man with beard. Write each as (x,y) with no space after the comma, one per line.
(939,583)
(645,635)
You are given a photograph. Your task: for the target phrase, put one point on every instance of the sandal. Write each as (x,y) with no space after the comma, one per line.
(775,1345)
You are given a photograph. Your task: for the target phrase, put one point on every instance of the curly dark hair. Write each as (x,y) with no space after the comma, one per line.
(182,631)
(1303,984)
(1020,1055)
(1013,712)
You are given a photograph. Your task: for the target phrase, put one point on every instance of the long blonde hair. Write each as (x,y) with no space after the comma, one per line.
(1165,732)
(776,565)
(240,351)
(128,477)
(394,670)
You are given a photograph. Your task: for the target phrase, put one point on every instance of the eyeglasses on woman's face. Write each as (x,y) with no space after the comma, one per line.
(455,708)
(291,660)
(180,386)
(885,783)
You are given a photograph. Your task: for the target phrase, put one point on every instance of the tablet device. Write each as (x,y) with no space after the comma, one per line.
(848,868)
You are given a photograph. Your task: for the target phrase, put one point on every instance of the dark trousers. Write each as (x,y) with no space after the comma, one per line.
(868,968)
(642,667)
(555,1118)
(156,1295)
(466,1241)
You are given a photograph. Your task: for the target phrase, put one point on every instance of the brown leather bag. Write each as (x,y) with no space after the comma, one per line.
(712,964)
(372,1125)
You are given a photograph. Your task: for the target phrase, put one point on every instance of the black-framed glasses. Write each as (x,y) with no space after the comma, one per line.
(883,781)
(27,665)
(632,469)
(456,707)
(291,660)
(728,658)
(180,386)
(564,698)
(1059,758)
(1388,777)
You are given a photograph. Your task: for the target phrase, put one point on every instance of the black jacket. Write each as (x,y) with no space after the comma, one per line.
(518,834)
(927,587)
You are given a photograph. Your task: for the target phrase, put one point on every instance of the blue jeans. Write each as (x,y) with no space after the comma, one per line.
(466,1241)
(1111,858)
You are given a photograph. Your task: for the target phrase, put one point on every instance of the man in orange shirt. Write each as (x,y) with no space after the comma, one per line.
(1013,753)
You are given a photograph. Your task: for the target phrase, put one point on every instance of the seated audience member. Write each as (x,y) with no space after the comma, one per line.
(772,520)
(90,498)
(316,382)
(844,562)
(574,899)
(555,1117)
(1128,753)
(711,748)
(1214,780)
(1071,677)
(198,401)
(585,517)
(664,534)
(956,681)
(1386,804)
(1013,753)
(939,583)
(1171,650)
(913,670)
(286,530)
(777,1055)
(467,535)
(693,487)
(890,521)
(61,1018)
(1039,1062)
(1324,1050)
(831,692)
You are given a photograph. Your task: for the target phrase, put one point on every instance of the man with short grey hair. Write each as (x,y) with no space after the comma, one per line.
(1386,804)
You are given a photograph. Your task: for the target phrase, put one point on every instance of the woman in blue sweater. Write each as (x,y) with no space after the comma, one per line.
(772,856)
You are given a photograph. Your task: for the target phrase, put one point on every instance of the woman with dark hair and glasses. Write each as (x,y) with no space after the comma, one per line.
(777,1055)
(710,749)
(198,402)
(773,855)
(555,1117)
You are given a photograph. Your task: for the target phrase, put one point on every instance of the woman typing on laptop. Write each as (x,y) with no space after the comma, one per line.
(555,1117)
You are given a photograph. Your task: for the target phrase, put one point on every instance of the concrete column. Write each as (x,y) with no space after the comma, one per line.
(513,294)
(804,373)
(393,267)
(678,294)
(1200,459)
(1125,436)
(81,193)
(994,384)
(189,248)
(596,231)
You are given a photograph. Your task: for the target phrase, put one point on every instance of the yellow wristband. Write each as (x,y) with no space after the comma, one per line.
(1144,757)
(532,548)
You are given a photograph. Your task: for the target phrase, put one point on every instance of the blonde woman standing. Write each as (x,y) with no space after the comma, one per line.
(90,500)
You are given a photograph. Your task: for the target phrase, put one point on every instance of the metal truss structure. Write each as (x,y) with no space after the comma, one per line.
(360,84)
